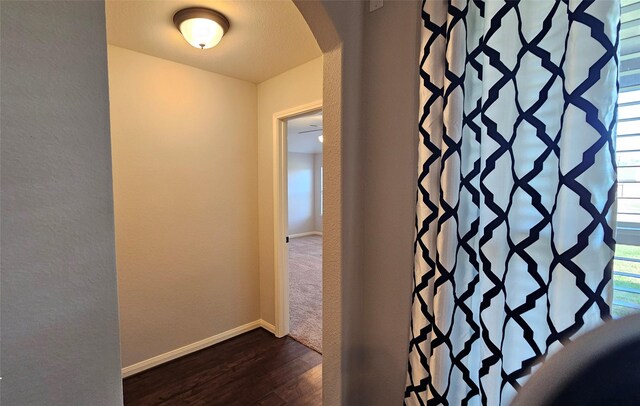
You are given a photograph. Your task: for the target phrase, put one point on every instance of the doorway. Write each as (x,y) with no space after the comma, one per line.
(298,192)
(304,225)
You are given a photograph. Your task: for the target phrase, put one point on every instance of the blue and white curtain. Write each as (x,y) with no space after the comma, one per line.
(516,193)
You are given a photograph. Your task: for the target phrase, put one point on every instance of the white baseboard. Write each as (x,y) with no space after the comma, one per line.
(305,234)
(198,345)
(268,326)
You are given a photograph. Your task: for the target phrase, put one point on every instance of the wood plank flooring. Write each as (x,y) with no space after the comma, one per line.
(254,368)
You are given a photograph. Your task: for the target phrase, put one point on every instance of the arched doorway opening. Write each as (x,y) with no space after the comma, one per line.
(135,314)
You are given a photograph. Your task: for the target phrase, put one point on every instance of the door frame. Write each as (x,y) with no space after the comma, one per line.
(281,210)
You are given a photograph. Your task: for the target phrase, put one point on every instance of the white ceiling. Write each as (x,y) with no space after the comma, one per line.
(266,38)
(303,132)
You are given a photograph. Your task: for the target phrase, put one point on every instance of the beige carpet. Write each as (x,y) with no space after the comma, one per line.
(305,291)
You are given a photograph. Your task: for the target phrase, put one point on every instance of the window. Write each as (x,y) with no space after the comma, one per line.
(321,191)
(626,269)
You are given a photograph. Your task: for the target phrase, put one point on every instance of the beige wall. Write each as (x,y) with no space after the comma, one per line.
(390,86)
(59,309)
(186,214)
(370,161)
(338,28)
(296,87)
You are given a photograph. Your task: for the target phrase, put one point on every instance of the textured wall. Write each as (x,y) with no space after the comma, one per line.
(185,192)
(338,28)
(370,158)
(59,308)
(390,86)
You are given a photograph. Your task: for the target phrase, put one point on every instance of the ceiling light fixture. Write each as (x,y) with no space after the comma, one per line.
(320,138)
(201,27)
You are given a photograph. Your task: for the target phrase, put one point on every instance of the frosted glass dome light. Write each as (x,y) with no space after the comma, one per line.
(202,27)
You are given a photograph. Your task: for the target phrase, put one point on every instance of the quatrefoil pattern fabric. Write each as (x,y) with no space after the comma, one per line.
(516,191)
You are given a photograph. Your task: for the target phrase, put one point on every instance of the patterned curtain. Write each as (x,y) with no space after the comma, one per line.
(516,193)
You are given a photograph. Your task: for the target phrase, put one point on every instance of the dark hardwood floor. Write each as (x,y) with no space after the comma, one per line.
(254,368)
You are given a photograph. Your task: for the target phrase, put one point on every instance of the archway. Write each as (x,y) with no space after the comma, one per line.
(337,29)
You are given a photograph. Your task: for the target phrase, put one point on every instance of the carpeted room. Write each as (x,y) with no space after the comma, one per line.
(304,214)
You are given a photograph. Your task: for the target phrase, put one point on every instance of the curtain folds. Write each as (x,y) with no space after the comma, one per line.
(516,191)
